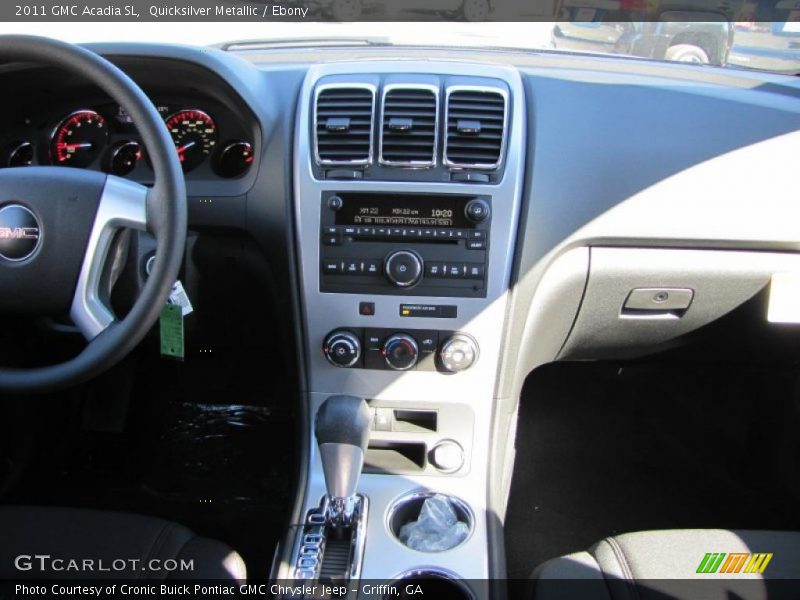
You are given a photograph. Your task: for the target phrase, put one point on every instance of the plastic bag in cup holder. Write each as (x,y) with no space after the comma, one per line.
(436,529)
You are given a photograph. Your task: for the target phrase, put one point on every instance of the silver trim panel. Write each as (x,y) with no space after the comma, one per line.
(481,318)
(123,204)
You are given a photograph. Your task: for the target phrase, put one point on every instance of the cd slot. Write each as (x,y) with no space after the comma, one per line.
(401,238)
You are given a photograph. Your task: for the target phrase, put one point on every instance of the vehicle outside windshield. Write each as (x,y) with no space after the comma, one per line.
(767,46)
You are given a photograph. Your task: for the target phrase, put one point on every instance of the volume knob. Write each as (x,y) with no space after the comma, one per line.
(403,268)
(342,348)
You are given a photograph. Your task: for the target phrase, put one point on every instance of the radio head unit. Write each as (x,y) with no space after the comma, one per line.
(406,244)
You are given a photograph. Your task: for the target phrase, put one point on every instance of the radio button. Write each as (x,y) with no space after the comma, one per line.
(443,233)
(372,267)
(477,234)
(475,271)
(456,270)
(331,267)
(353,267)
(435,270)
(396,232)
(476,245)
(403,268)
(332,239)
(460,234)
(428,234)
(350,230)
(330,230)
(382,231)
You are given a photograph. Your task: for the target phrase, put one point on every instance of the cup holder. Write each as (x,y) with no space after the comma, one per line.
(408,508)
(429,583)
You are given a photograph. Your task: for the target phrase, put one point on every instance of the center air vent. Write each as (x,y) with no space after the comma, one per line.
(409,126)
(475,128)
(343,121)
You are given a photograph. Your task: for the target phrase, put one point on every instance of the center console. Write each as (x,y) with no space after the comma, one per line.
(408,180)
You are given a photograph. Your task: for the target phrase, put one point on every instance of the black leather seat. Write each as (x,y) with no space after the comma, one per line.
(70,543)
(673,564)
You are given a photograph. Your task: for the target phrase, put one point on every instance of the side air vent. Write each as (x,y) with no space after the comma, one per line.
(343,124)
(409,126)
(476,119)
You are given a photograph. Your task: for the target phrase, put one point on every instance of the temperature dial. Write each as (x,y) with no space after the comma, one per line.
(342,348)
(400,352)
(458,353)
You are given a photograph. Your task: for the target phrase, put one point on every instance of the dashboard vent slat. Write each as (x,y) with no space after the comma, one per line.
(475,129)
(409,126)
(344,123)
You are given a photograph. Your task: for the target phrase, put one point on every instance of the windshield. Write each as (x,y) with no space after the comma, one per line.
(767,46)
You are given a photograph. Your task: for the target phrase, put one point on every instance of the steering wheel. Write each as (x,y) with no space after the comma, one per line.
(57,225)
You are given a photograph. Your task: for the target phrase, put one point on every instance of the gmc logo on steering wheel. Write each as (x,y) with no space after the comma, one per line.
(19,233)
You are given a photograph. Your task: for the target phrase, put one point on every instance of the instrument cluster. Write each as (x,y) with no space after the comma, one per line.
(104,138)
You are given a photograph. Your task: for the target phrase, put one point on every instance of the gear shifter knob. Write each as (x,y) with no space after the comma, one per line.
(342,431)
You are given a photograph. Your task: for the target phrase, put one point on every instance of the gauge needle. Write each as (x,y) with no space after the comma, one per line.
(184,148)
(77,146)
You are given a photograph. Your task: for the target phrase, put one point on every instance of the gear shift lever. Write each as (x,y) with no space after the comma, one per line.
(342,431)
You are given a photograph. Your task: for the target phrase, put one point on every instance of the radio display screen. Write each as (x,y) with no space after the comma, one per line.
(397,210)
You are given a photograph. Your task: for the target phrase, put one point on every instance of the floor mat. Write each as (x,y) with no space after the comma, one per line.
(224,471)
(603,450)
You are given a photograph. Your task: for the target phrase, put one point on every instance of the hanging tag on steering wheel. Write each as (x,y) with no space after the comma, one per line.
(179,297)
(171,329)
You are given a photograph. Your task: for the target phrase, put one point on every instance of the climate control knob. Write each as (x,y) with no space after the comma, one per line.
(458,353)
(400,351)
(342,348)
(403,268)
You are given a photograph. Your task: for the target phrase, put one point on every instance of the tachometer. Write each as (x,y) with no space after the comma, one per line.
(79,139)
(195,136)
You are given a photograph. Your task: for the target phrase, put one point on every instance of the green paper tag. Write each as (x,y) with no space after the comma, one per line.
(171,326)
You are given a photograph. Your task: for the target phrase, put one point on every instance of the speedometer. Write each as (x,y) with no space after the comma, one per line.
(195,136)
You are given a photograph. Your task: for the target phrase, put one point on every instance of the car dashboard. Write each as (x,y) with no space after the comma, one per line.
(441,222)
